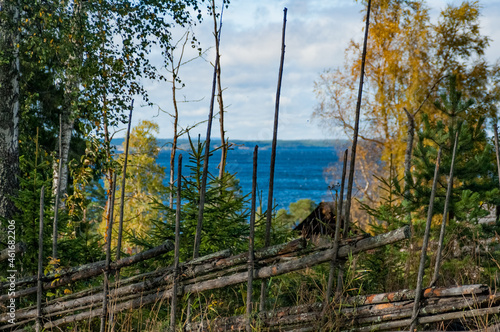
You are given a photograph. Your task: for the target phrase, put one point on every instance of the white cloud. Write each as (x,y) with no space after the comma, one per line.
(317,34)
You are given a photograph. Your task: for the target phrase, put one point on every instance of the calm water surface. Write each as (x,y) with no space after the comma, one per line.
(299,171)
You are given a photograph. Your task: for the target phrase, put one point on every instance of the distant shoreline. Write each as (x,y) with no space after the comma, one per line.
(165,143)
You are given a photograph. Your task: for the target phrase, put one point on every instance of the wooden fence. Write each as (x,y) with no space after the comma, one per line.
(210,272)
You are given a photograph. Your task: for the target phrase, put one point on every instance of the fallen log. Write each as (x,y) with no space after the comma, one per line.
(293,264)
(18,249)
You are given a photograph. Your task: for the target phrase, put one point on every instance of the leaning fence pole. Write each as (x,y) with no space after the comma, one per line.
(108,257)
(203,189)
(497,150)
(445,213)
(269,213)
(356,126)
(201,207)
(251,244)
(336,238)
(173,309)
(39,323)
(122,197)
(421,268)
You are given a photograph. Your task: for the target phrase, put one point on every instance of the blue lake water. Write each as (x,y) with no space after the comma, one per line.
(300,170)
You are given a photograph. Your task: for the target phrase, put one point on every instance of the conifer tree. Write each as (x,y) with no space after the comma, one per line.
(225,214)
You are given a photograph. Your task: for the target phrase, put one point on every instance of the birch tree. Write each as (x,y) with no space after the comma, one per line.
(9,104)
(408,55)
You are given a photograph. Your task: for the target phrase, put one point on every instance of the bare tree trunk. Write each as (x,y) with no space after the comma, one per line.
(269,212)
(173,309)
(251,258)
(217,33)
(356,126)
(408,154)
(173,152)
(9,109)
(407,181)
(445,212)
(423,255)
(174,70)
(39,323)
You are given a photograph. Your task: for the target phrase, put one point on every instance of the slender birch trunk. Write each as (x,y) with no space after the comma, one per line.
(57,193)
(69,111)
(9,108)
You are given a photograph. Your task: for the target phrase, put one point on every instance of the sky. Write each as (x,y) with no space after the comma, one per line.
(317,34)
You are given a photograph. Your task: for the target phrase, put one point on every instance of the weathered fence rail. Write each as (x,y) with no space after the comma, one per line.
(205,273)
(370,312)
(82,272)
(221,269)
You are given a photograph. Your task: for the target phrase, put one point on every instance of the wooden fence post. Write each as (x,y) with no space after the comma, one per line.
(421,268)
(108,257)
(251,257)
(39,322)
(269,213)
(177,243)
(336,238)
(445,213)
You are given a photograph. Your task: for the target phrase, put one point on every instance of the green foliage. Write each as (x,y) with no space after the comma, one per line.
(35,174)
(225,214)
(144,184)
(474,187)
(474,166)
(298,211)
